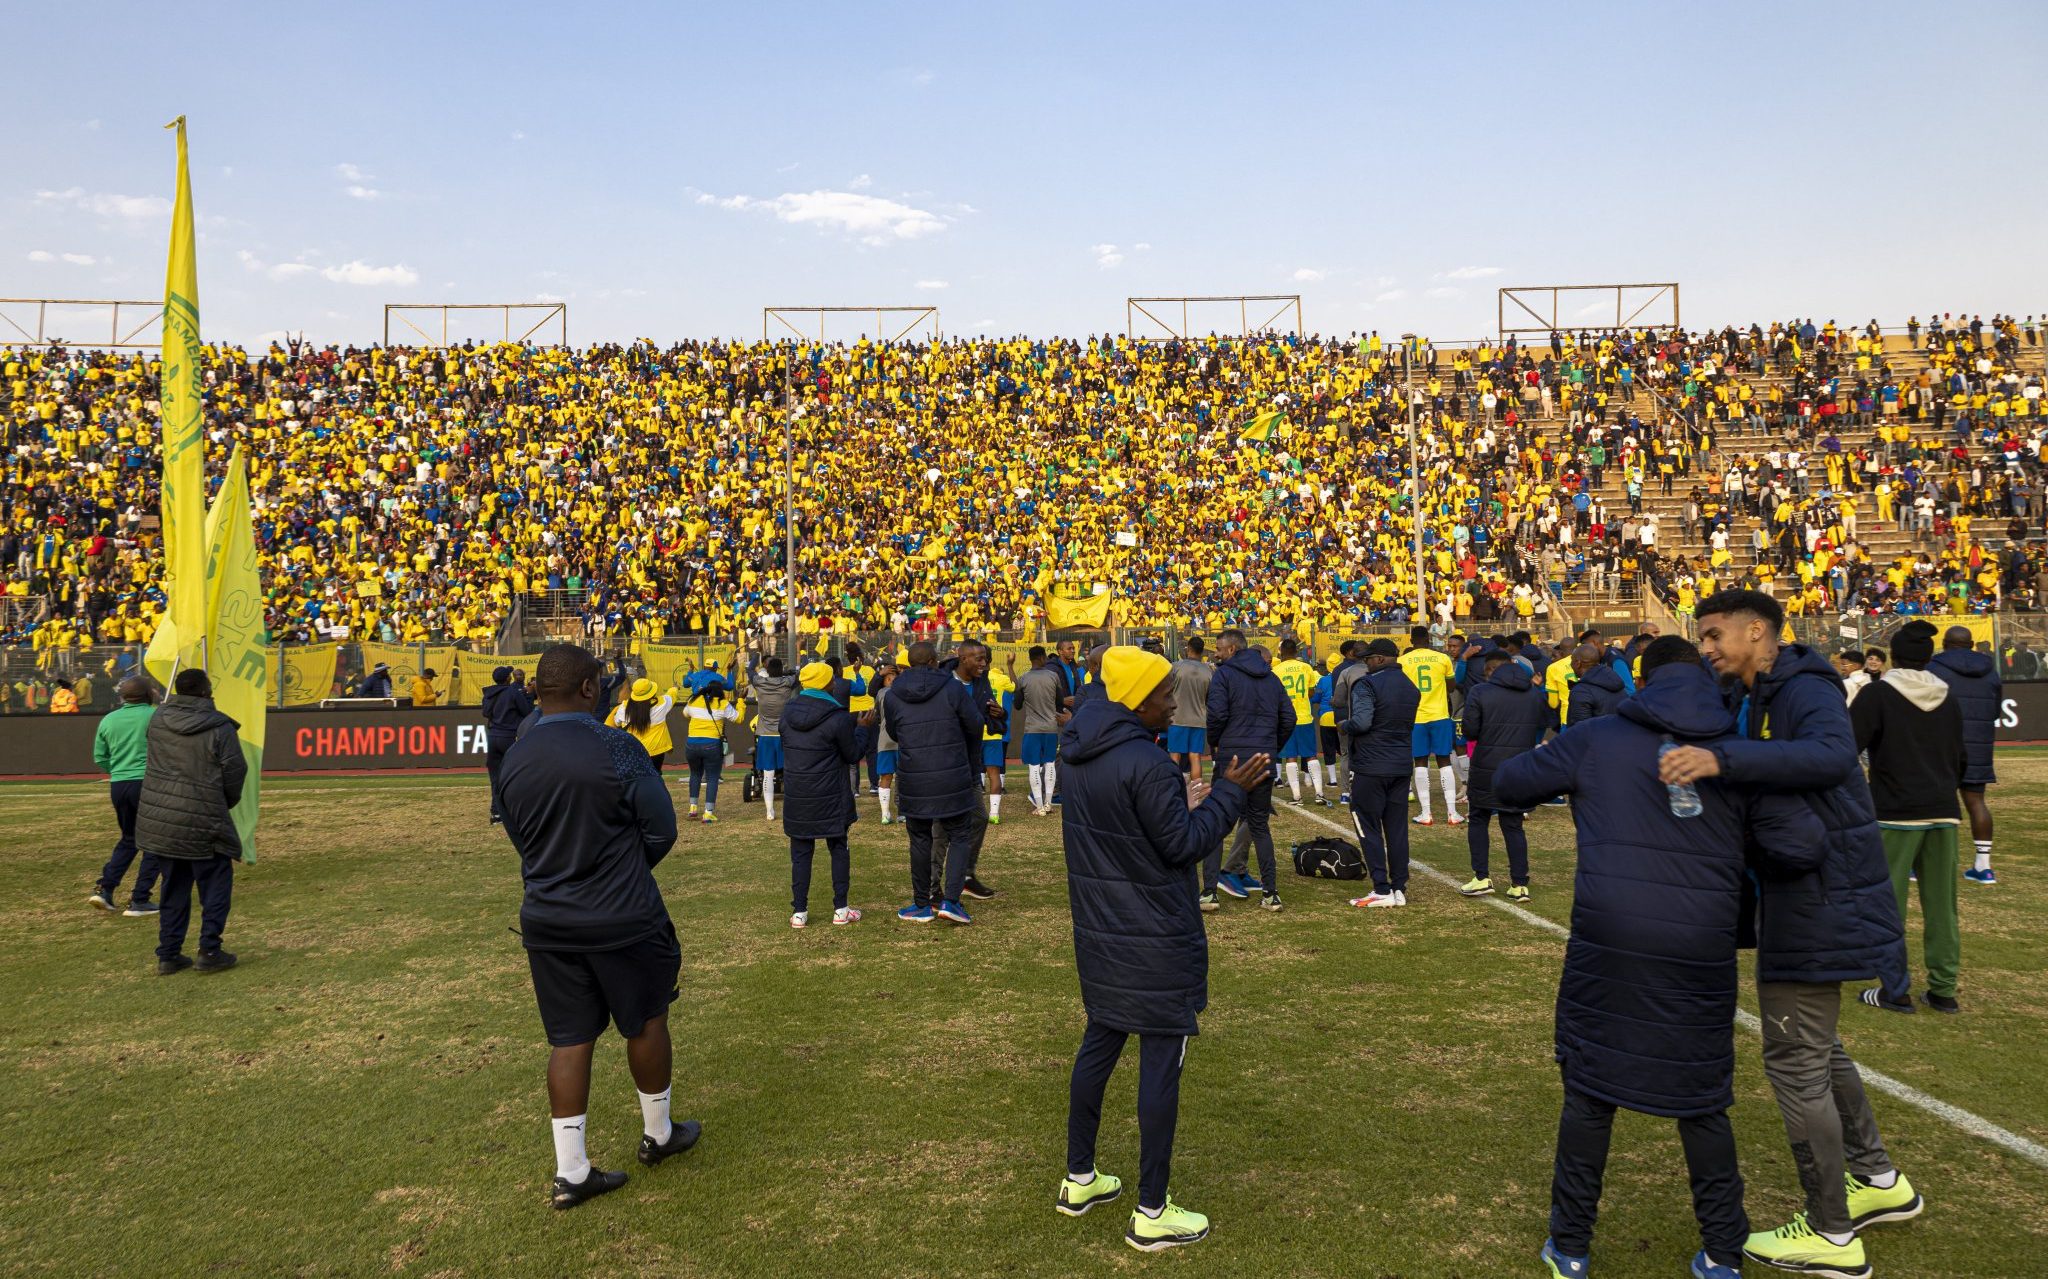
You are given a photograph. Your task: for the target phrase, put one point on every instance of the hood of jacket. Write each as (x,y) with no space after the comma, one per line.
(805,713)
(1682,700)
(189,716)
(1603,676)
(1251,662)
(1513,676)
(921,684)
(1966,662)
(773,683)
(1924,689)
(1795,661)
(1096,727)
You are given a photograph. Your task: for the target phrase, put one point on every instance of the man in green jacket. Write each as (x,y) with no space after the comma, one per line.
(120,749)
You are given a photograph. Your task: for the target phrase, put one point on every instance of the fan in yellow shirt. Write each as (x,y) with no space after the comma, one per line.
(1434,736)
(1299,679)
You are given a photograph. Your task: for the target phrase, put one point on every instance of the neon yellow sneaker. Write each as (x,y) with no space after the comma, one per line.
(1476,887)
(1519,894)
(1174,1227)
(1076,1198)
(1872,1206)
(1795,1246)
(709,817)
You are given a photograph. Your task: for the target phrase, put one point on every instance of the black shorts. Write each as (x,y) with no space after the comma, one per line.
(1328,734)
(579,990)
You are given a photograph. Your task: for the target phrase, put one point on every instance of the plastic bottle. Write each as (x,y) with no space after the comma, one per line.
(1685,800)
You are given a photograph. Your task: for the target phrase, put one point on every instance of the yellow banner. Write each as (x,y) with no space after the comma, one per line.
(1063,611)
(308,672)
(668,664)
(407,660)
(476,674)
(1978,624)
(235,631)
(183,510)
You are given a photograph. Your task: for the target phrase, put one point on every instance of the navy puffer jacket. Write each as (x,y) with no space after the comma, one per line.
(938,743)
(1504,717)
(1381,723)
(818,747)
(1973,678)
(1132,847)
(1248,710)
(1840,923)
(1598,692)
(1646,1005)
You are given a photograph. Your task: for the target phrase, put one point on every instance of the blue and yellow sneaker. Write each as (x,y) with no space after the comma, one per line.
(1705,1267)
(1559,1266)
(1874,1205)
(1797,1246)
(1174,1227)
(1077,1197)
(1985,876)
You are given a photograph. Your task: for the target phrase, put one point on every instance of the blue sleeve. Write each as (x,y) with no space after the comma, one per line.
(1178,836)
(1550,770)
(970,723)
(1628,678)
(1363,703)
(1811,745)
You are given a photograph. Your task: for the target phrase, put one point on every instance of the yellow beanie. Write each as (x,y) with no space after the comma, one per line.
(644,690)
(1129,674)
(815,675)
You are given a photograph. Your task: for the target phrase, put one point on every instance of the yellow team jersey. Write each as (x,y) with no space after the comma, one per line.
(1299,679)
(1004,688)
(1431,673)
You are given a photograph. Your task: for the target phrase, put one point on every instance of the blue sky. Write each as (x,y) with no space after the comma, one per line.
(670,169)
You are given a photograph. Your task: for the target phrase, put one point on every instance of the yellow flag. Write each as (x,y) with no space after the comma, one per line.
(1261,427)
(236,635)
(1063,611)
(184,479)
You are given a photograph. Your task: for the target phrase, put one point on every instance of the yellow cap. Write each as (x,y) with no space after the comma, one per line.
(814,675)
(1129,674)
(644,690)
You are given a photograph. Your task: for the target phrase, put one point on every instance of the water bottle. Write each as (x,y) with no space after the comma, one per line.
(1685,800)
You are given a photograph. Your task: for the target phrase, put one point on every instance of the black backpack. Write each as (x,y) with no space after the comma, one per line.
(1329,858)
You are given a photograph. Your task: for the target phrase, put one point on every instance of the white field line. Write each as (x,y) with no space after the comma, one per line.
(1955,1116)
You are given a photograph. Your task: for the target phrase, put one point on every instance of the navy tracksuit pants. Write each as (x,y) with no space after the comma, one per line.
(801,851)
(215,880)
(126,796)
(1583,1132)
(1159,1063)
(1379,811)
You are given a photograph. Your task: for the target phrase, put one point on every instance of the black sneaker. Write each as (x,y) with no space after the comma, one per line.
(567,1194)
(976,889)
(1874,996)
(101,899)
(175,964)
(213,961)
(1943,1003)
(140,910)
(681,1137)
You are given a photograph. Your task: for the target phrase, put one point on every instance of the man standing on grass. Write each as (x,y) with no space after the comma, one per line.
(1814,932)
(1249,714)
(1039,717)
(819,744)
(120,748)
(1379,726)
(1187,736)
(505,708)
(1980,692)
(938,747)
(1911,724)
(591,819)
(1646,1005)
(1505,716)
(1432,674)
(185,815)
(1135,827)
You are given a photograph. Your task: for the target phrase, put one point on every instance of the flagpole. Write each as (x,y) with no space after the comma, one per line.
(1414,481)
(789,504)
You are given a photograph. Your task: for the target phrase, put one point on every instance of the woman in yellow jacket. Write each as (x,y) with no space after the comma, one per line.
(644,714)
(705,716)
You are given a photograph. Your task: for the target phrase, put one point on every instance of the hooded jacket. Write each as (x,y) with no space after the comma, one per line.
(1981,694)
(938,743)
(771,694)
(1132,847)
(1911,724)
(818,745)
(1248,710)
(191,782)
(1598,692)
(1646,1004)
(1504,717)
(1380,726)
(1841,922)
(504,706)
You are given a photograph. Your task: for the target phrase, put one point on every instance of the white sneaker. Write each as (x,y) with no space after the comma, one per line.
(801,919)
(769,815)
(846,915)
(1377,899)
(1400,897)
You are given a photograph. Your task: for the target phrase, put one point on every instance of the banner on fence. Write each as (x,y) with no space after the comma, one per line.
(308,673)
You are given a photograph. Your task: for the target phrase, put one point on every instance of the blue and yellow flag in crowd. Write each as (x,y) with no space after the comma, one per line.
(1262,426)
(1064,611)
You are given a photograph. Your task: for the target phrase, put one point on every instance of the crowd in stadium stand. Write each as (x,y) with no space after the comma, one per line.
(408,495)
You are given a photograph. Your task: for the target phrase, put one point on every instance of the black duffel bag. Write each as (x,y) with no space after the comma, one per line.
(1329,858)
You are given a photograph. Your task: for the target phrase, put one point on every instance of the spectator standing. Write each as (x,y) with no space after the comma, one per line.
(505,708)
(120,749)
(423,693)
(1981,694)
(191,782)
(1249,714)
(938,746)
(644,714)
(705,716)
(819,744)
(773,688)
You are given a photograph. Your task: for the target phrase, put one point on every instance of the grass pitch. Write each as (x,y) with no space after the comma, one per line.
(1372,1094)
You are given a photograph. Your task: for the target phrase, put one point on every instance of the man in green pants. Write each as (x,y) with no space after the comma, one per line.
(1913,729)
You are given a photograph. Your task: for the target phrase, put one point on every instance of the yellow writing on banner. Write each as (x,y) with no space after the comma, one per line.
(476,671)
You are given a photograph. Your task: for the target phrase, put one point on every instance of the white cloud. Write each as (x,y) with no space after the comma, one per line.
(365,193)
(867,218)
(1391,295)
(933,284)
(1472,272)
(41,255)
(1106,256)
(860,183)
(549,297)
(1442,291)
(360,272)
(351,173)
(272,270)
(791,167)
(92,124)
(923,78)
(519,135)
(108,204)
(78,259)
(1307,273)
(1142,247)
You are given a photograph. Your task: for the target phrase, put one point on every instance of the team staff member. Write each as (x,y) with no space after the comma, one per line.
(1814,932)
(971,668)
(1249,714)
(1981,694)
(1646,1005)
(1137,826)
(1435,732)
(1037,703)
(505,707)
(1299,679)
(772,691)
(1379,730)
(185,815)
(819,746)
(120,749)
(1595,689)
(1326,718)
(1186,736)
(423,692)
(1350,669)
(1505,716)
(591,819)
(938,744)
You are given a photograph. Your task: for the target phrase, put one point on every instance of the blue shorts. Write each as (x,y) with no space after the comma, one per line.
(1041,748)
(1187,741)
(885,763)
(1302,744)
(768,753)
(992,754)
(1433,738)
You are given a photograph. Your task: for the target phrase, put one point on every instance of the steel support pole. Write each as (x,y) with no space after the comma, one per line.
(789,504)
(1415,484)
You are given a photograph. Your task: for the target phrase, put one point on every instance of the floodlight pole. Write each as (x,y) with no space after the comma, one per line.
(1414,481)
(789,503)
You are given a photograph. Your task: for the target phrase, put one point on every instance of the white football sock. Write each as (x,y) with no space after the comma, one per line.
(1294,779)
(654,1115)
(1884,1180)
(768,790)
(1331,769)
(1315,777)
(1052,782)
(571,1164)
(1422,788)
(1082,1178)
(1449,775)
(882,793)
(995,804)
(1983,855)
